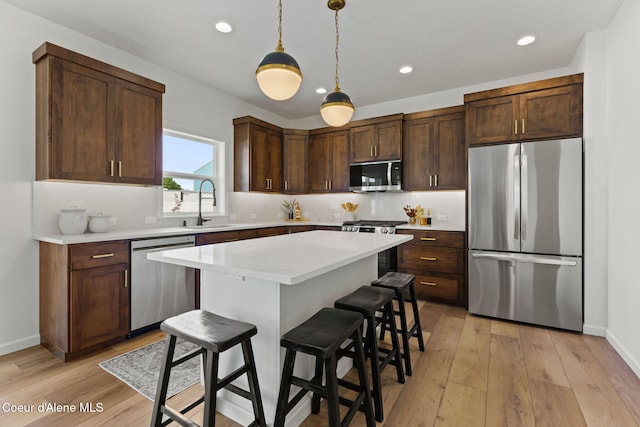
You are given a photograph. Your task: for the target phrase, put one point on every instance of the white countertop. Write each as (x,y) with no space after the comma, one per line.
(143,233)
(289,259)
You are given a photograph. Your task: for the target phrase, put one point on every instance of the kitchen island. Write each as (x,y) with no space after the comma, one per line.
(276,283)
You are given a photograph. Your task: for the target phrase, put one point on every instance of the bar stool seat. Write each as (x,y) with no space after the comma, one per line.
(368,300)
(401,284)
(321,336)
(213,334)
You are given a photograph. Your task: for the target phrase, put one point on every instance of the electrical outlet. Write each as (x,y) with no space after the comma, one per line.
(336,216)
(150,220)
(113,220)
(442,217)
(252,216)
(280,214)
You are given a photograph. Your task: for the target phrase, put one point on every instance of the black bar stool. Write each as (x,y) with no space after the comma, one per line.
(321,336)
(368,300)
(214,334)
(401,283)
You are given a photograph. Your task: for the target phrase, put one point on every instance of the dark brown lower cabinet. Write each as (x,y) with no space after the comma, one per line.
(437,260)
(84,296)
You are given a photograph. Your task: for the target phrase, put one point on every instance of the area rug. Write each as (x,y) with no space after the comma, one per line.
(140,369)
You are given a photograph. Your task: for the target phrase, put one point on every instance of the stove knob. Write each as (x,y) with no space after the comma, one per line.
(384,230)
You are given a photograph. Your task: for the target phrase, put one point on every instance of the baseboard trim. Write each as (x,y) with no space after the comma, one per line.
(598,331)
(17,345)
(624,353)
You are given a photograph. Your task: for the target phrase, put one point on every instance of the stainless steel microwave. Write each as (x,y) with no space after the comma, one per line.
(375,176)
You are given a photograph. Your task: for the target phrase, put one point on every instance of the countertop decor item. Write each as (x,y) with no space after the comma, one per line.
(72,221)
(350,209)
(289,207)
(412,213)
(99,223)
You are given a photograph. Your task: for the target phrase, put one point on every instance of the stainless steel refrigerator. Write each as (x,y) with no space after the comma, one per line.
(525,232)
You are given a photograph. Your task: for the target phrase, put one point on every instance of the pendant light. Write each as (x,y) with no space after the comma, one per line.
(278,74)
(337,108)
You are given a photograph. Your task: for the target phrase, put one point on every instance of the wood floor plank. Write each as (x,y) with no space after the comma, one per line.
(421,395)
(462,406)
(508,396)
(554,405)
(599,402)
(541,357)
(508,329)
(619,373)
(471,362)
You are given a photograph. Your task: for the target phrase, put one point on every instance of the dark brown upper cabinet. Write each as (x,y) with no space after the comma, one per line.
(257,147)
(544,109)
(294,161)
(95,122)
(434,150)
(378,139)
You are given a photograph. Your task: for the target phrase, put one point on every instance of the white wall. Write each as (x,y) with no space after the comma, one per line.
(590,59)
(623,88)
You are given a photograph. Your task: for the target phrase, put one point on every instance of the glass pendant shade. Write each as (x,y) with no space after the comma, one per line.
(337,108)
(279,75)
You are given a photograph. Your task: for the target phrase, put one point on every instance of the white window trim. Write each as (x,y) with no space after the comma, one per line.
(220,179)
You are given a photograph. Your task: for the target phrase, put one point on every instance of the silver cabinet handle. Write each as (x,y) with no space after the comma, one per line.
(430,181)
(436,180)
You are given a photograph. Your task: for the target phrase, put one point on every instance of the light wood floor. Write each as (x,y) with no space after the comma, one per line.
(475,372)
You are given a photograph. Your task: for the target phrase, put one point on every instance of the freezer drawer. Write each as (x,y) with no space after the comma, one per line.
(538,289)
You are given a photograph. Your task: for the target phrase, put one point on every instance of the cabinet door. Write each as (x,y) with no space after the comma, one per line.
(294,163)
(551,113)
(448,156)
(81,123)
(266,160)
(492,120)
(139,139)
(417,148)
(389,141)
(376,142)
(99,305)
(319,163)
(339,161)
(362,143)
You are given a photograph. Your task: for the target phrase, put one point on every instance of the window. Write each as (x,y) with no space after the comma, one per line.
(187,160)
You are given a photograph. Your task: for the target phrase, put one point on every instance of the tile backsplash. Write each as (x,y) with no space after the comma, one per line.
(132,206)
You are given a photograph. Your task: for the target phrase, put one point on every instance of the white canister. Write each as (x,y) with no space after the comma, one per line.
(72,221)
(99,223)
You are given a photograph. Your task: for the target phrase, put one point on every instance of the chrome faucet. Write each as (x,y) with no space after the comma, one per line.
(200,220)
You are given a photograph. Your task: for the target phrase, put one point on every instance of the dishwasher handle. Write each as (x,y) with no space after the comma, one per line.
(161,248)
(163,243)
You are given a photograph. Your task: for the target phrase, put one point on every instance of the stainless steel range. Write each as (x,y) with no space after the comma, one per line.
(387,260)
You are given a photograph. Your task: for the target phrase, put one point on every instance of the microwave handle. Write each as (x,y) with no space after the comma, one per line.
(389,173)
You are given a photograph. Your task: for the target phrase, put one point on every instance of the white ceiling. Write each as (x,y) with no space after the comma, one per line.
(450,44)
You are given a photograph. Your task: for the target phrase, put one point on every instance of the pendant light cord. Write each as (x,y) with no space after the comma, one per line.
(337,89)
(279,48)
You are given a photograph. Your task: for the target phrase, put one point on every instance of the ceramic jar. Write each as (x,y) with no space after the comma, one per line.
(72,221)
(99,223)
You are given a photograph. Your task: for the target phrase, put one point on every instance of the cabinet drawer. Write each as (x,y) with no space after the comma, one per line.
(90,255)
(447,260)
(271,231)
(454,239)
(438,285)
(225,236)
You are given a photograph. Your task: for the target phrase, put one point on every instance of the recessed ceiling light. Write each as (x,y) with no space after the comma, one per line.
(406,69)
(321,90)
(224,27)
(526,40)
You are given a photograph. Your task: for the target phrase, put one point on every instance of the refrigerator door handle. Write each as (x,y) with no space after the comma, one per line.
(524,193)
(516,196)
(529,259)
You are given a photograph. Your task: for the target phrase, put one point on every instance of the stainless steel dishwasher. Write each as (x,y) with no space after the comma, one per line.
(159,290)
